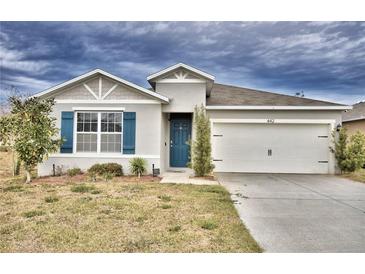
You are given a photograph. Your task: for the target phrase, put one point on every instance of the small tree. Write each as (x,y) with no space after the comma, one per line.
(33,130)
(350,152)
(201,146)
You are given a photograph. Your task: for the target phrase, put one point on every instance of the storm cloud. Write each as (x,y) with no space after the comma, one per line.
(325,60)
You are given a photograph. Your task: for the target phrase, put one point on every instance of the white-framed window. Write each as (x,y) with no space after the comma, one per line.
(99,131)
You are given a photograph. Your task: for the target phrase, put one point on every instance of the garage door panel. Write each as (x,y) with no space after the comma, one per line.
(294,148)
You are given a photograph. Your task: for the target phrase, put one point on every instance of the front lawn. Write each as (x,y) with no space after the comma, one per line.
(358,176)
(119,216)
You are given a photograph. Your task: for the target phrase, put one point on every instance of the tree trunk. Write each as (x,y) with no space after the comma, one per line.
(13,163)
(139,175)
(29,178)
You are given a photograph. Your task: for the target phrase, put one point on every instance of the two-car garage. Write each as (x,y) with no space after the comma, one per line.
(270,146)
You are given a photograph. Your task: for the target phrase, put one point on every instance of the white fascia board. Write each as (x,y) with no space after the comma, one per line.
(108,102)
(98,109)
(116,78)
(278,107)
(181,65)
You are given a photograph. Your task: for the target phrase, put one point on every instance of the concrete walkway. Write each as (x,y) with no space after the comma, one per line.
(300,213)
(184,176)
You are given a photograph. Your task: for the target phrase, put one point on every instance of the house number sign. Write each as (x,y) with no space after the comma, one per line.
(270,121)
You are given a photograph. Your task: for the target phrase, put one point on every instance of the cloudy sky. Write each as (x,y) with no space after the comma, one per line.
(326,60)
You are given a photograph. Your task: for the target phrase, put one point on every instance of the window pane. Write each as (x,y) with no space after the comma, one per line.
(118,118)
(94,127)
(110,127)
(86,142)
(87,127)
(80,127)
(110,117)
(110,143)
(104,117)
(87,117)
(104,127)
(118,127)
(94,117)
(80,117)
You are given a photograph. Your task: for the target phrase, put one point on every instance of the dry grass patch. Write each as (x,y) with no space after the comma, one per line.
(119,216)
(358,176)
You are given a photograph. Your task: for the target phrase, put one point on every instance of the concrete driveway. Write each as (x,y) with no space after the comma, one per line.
(300,213)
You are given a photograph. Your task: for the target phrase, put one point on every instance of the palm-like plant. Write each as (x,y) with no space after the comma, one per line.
(138,166)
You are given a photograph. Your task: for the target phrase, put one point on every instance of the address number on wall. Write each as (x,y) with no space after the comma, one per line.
(270,121)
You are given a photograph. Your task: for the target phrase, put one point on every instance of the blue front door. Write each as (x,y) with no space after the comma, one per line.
(180,134)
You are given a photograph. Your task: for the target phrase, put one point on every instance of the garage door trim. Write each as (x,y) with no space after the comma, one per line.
(330,122)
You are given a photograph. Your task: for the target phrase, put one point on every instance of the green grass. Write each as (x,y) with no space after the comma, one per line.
(82,188)
(51,199)
(119,217)
(164,198)
(209,225)
(33,213)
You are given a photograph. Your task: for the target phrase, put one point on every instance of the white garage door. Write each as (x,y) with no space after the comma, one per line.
(270,148)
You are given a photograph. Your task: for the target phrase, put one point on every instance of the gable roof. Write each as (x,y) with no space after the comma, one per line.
(232,96)
(153,76)
(94,72)
(356,113)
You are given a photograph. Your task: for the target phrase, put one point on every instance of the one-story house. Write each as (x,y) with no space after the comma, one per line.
(105,118)
(354,119)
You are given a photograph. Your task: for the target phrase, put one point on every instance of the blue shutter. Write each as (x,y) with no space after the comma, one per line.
(129,133)
(67,130)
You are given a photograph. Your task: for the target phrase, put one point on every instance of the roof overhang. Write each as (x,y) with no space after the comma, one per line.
(278,107)
(54,89)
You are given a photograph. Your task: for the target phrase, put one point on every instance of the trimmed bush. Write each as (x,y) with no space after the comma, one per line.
(73,171)
(101,169)
(138,166)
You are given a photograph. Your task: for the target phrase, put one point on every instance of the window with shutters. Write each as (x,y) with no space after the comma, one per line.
(99,131)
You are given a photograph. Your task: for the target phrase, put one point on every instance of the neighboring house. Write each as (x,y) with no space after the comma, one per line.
(354,119)
(105,118)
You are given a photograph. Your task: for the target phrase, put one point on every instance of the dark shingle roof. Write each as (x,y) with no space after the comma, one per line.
(225,95)
(357,113)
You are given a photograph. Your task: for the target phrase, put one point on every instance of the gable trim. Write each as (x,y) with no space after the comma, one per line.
(180,65)
(81,101)
(102,72)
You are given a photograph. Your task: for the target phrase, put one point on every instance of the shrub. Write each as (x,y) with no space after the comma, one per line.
(51,199)
(108,176)
(138,166)
(201,147)
(96,191)
(73,171)
(101,169)
(209,225)
(33,213)
(349,152)
(82,188)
